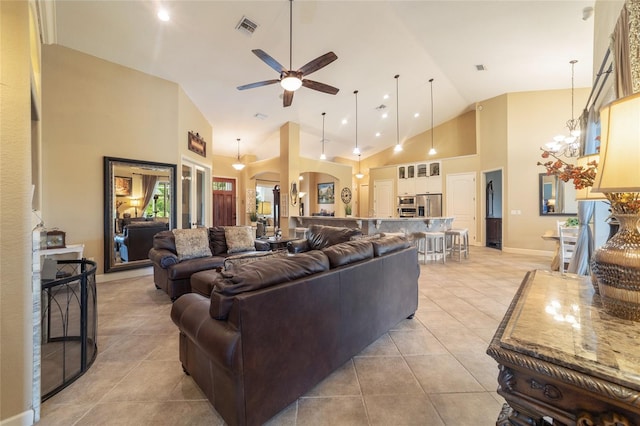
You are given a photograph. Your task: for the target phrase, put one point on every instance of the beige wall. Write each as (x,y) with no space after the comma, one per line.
(93,108)
(16,329)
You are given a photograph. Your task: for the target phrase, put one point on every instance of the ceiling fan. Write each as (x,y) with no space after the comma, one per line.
(291,80)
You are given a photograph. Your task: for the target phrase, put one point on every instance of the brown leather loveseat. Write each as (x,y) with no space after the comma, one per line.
(272,329)
(173,276)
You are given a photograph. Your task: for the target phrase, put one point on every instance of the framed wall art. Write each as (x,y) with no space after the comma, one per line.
(123,186)
(326,193)
(197,144)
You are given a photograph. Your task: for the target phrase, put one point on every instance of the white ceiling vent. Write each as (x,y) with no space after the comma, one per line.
(480,67)
(246,26)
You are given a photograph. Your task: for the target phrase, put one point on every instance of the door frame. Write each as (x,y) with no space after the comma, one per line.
(195,166)
(483,202)
(473,230)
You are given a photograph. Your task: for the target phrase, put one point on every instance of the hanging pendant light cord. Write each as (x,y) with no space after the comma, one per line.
(238,150)
(323,132)
(356,93)
(397,77)
(431,81)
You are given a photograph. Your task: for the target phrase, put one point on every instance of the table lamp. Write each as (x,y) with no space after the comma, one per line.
(135,203)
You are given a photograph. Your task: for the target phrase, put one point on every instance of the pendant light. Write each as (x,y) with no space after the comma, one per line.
(432,151)
(359,175)
(356,150)
(398,147)
(322,156)
(238,165)
(569,145)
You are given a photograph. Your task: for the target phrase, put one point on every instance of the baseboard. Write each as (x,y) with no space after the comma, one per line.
(23,419)
(528,251)
(131,273)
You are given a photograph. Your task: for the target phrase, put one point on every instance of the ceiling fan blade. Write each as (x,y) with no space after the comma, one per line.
(267,59)
(320,87)
(287,98)
(317,63)
(258,84)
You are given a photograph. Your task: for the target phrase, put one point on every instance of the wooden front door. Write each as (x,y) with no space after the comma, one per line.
(224,202)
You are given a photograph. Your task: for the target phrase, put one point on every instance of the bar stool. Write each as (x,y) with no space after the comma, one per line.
(435,245)
(458,240)
(420,242)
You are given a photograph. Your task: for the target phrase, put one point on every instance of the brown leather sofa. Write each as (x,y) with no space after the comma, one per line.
(272,329)
(137,239)
(174,276)
(320,236)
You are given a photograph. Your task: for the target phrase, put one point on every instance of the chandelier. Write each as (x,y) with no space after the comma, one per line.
(568,145)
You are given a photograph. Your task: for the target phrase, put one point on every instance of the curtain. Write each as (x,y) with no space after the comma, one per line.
(622,59)
(584,247)
(148,188)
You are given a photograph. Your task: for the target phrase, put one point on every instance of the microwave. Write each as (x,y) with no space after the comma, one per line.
(407,201)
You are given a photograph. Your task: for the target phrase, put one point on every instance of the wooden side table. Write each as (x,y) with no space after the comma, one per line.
(561,358)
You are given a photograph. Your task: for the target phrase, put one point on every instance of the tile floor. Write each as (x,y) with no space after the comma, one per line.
(431,370)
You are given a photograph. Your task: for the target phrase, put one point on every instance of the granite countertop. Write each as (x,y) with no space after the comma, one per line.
(559,319)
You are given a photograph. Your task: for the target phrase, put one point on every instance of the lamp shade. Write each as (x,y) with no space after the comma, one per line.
(135,202)
(264,207)
(619,146)
(585,194)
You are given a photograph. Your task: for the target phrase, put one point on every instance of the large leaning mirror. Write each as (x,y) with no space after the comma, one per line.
(139,201)
(557,197)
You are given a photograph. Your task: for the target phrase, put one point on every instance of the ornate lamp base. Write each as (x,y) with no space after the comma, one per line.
(616,266)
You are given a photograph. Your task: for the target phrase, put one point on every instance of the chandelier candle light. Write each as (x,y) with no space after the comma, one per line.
(616,265)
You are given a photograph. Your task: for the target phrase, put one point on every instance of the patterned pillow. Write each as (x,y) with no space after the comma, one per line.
(239,238)
(241,259)
(192,243)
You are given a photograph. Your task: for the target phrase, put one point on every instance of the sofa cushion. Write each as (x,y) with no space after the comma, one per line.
(239,238)
(202,282)
(192,243)
(320,236)
(349,252)
(244,258)
(389,244)
(164,240)
(217,240)
(257,275)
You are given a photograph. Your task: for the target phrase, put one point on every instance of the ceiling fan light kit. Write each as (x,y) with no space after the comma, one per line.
(291,80)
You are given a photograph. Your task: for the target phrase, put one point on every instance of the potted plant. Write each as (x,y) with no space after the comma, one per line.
(253,217)
(347,210)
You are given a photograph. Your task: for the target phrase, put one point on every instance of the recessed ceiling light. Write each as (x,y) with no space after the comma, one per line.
(344,121)
(385,97)
(377,134)
(163,15)
(385,115)
(416,115)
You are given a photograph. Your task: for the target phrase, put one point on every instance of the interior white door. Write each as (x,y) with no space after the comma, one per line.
(383,205)
(196,195)
(363,202)
(461,202)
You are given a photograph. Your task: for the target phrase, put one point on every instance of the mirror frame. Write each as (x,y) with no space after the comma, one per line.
(109,196)
(541,197)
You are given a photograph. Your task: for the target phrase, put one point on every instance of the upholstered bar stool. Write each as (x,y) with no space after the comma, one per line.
(457,240)
(435,245)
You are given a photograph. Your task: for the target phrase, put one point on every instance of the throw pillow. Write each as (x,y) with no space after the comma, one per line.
(239,238)
(241,259)
(192,243)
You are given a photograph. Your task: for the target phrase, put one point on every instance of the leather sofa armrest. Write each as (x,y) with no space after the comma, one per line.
(218,339)
(262,245)
(298,246)
(163,257)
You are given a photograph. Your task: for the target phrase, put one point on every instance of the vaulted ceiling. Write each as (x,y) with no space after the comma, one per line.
(523,46)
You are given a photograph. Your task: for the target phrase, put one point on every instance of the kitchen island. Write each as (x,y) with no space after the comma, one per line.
(375,225)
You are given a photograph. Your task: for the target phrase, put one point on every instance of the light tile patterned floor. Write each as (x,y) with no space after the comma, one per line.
(431,370)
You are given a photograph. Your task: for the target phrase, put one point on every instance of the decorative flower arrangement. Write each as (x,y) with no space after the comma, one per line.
(584,177)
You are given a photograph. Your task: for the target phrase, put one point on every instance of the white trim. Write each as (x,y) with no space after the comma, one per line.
(47,21)
(26,418)
(528,252)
